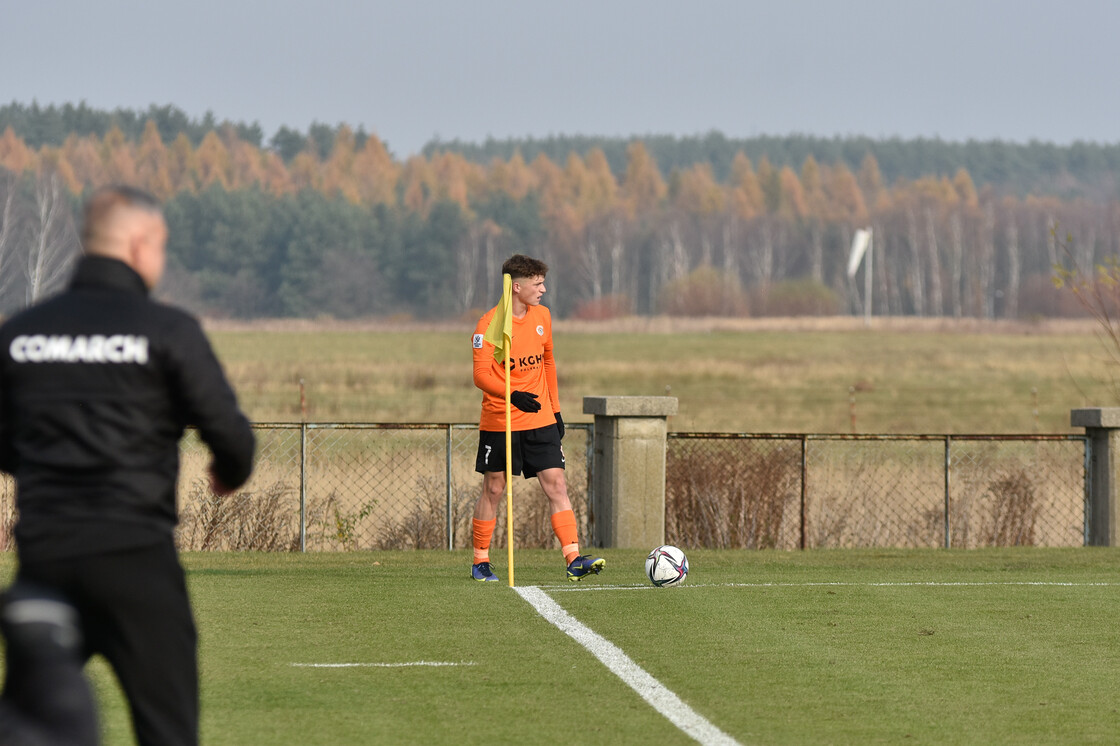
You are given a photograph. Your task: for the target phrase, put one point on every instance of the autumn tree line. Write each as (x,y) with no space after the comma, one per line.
(329,223)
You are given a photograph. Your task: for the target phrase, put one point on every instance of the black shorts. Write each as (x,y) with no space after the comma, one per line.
(533,451)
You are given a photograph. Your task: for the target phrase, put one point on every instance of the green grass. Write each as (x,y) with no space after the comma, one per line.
(846,646)
(895,379)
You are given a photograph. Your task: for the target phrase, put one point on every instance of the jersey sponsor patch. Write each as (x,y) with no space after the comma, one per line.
(81,348)
(477,340)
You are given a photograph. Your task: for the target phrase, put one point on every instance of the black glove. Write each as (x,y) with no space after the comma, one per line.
(525,401)
(560,425)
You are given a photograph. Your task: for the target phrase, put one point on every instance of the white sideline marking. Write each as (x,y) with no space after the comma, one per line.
(382,665)
(648,688)
(811,584)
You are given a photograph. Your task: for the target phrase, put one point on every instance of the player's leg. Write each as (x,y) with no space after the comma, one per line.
(554,482)
(493,493)
(564,525)
(144,627)
(491,463)
(544,457)
(483,523)
(555,486)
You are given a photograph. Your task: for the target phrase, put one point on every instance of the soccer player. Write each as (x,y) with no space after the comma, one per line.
(537,426)
(96,387)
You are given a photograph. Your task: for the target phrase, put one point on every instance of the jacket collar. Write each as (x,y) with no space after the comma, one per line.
(105,272)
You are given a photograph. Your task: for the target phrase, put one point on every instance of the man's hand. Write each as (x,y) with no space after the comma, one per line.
(560,425)
(525,401)
(216,485)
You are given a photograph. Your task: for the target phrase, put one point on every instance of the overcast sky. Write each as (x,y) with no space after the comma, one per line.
(414,70)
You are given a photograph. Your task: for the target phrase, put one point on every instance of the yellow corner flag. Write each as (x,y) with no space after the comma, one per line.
(500,334)
(500,331)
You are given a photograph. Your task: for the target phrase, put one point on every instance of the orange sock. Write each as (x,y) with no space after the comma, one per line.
(564,526)
(481,533)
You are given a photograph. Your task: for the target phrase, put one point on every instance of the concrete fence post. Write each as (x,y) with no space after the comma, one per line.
(1102,426)
(628,486)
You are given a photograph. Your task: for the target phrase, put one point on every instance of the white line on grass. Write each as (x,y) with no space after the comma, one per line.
(648,688)
(406,664)
(811,584)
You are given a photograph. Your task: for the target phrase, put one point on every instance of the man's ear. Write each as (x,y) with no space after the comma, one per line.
(136,244)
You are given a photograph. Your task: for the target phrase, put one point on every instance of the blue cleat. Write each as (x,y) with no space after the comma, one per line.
(583,566)
(481,572)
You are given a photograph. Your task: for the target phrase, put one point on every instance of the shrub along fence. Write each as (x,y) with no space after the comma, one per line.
(361,486)
(807,491)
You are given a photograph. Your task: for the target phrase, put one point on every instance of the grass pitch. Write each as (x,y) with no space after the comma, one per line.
(845,646)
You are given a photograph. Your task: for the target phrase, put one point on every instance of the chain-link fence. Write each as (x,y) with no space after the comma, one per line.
(790,491)
(324,487)
(364,486)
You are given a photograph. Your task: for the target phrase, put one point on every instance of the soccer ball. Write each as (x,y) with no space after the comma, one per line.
(666,566)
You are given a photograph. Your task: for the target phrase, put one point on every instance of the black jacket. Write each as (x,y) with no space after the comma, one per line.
(96,387)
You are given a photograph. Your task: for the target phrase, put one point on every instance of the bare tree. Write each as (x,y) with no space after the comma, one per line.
(1011,295)
(678,263)
(591,266)
(469,258)
(1097,289)
(54,243)
(763,254)
(816,251)
(7,232)
(617,252)
(956,262)
(604,230)
(937,307)
(986,258)
(730,252)
(1052,240)
(916,280)
(1085,250)
(493,265)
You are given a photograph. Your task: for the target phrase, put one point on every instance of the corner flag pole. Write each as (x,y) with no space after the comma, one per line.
(500,334)
(509,470)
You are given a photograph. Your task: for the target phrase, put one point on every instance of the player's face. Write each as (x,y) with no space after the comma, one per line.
(530,290)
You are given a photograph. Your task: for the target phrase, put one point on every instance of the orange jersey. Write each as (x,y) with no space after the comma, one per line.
(532,369)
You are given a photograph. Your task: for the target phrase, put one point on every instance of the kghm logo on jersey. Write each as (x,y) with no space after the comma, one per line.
(525,362)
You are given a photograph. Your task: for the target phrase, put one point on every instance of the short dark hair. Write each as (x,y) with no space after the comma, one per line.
(108,198)
(519,267)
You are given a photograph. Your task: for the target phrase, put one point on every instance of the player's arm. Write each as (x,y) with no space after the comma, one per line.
(211,405)
(491,378)
(552,382)
(486,376)
(550,378)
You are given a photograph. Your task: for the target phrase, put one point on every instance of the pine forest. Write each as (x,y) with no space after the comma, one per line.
(329,223)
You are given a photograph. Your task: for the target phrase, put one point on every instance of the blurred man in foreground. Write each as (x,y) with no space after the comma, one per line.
(96,387)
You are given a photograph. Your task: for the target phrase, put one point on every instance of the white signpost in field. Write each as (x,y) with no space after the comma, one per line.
(861,244)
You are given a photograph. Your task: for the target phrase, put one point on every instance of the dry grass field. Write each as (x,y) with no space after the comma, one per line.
(753,375)
(759,376)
